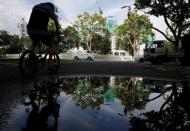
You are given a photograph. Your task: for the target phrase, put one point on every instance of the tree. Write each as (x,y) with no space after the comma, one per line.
(101,43)
(69,37)
(134,31)
(87,25)
(16,45)
(5,38)
(25,42)
(4,42)
(131,92)
(176,15)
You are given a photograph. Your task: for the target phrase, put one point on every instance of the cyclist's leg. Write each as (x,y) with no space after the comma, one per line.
(35,37)
(39,48)
(48,41)
(50,52)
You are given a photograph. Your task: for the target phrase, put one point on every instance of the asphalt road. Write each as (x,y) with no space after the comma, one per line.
(9,70)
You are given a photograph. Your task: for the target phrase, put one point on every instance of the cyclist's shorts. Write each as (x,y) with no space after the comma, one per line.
(40,35)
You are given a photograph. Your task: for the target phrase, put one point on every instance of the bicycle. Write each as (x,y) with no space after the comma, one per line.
(43,98)
(29,61)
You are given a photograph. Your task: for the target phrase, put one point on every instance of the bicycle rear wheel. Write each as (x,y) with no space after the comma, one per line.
(53,65)
(28,63)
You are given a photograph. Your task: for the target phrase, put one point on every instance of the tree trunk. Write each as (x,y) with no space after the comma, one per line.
(135,47)
(186,46)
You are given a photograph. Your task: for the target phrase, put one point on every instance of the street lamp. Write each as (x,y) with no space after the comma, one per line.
(129,9)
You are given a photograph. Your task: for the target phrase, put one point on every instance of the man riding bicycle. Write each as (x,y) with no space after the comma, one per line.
(38,26)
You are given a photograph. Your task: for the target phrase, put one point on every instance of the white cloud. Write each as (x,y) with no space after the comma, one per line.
(11,14)
(69,9)
(13,10)
(116,11)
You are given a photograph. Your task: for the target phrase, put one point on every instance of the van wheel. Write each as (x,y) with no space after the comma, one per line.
(141,60)
(157,61)
(153,62)
(76,58)
(89,58)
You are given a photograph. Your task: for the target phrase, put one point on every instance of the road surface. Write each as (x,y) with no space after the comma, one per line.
(9,70)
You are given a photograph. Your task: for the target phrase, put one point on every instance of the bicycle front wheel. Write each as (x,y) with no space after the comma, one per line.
(28,63)
(53,63)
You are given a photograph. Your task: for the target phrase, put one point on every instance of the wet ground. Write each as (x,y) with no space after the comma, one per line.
(95,104)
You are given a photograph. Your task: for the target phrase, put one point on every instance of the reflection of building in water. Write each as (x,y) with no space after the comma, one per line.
(112,82)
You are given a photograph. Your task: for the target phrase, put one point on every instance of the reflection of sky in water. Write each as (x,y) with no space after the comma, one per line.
(73,118)
(110,116)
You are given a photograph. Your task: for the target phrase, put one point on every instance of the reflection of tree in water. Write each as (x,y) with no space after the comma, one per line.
(131,92)
(86,91)
(155,86)
(91,92)
(174,114)
(43,99)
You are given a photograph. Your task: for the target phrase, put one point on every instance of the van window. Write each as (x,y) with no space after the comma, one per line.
(160,44)
(122,53)
(153,45)
(116,53)
(89,51)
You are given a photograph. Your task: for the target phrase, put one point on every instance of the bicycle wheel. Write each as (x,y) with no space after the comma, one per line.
(28,63)
(54,63)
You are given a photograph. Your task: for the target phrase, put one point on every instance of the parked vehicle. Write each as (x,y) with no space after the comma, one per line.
(157,53)
(83,54)
(139,58)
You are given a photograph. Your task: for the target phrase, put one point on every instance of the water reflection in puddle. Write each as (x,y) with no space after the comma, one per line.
(96,103)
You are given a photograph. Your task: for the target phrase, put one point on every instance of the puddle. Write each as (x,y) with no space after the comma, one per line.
(94,103)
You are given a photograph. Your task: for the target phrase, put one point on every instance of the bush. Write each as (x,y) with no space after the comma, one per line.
(2,53)
(14,49)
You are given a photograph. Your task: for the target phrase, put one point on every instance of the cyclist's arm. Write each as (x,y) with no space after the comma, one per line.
(57,29)
(57,26)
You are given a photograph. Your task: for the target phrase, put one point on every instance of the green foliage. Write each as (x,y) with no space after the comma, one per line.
(51,26)
(5,37)
(12,43)
(101,43)
(176,14)
(69,38)
(131,92)
(25,42)
(136,26)
(2,53)
(133,31)
(15,45)
(87,25)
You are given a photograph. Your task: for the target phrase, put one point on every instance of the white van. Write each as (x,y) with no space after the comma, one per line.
(83,54)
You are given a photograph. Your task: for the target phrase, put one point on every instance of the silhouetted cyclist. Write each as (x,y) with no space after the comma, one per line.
(38,25)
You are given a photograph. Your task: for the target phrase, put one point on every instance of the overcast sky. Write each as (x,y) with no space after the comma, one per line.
(11,12)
